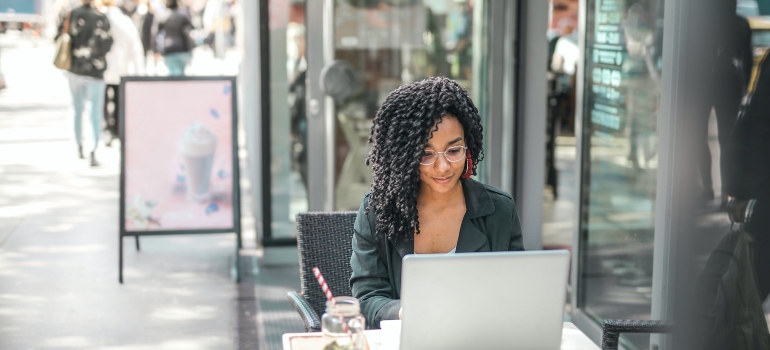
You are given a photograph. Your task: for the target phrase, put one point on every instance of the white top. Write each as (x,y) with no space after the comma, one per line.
(126,57)
(566,54)
(450,252)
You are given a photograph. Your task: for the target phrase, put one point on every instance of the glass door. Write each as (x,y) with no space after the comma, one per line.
(619,160)
(284,124)
(358,52)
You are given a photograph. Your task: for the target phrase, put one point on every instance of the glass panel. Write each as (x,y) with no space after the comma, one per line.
(745,182)
(729,148)
(288,154)
(622,91)
(389,43)
(561,151)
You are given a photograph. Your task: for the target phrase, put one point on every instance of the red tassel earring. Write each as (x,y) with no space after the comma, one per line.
(468,165)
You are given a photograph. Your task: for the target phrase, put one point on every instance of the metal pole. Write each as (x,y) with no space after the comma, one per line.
(120,259)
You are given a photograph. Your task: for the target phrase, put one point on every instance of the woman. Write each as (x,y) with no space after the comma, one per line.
(91,40)
(426,142)
(174,41)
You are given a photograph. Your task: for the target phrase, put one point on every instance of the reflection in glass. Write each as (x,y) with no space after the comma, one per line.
(564,56)
(288,124)
(749,186)
(734,145)
(389,43)
(621,94)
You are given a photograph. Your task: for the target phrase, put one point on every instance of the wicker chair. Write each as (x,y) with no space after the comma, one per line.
(323,240)
(613,328)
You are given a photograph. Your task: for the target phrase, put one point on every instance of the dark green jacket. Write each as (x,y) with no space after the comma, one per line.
(490,224)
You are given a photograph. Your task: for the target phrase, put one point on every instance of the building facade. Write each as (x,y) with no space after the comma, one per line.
(610,121)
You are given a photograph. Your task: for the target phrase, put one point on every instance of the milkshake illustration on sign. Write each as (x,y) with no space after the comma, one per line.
(198,145)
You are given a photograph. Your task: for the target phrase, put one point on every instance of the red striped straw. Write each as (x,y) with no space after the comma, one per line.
(322,282)
(324,287)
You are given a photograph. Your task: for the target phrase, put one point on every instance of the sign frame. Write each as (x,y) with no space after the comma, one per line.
(235,171)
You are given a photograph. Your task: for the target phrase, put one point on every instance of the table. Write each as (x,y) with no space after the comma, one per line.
(572,339)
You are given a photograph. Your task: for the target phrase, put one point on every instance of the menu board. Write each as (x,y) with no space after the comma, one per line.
(179,155)
(605,54)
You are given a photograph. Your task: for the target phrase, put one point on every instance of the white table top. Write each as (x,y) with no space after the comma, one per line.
(572,339)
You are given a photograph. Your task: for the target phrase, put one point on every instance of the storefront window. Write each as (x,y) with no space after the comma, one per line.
(391,43)
(621,96)
(386,44)
(564,57)
(288,123)
(730,192)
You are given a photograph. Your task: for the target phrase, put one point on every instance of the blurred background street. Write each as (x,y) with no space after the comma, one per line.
(59,237)
(611,123)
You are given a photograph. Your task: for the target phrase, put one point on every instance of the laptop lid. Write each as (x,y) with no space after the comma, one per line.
(498,300)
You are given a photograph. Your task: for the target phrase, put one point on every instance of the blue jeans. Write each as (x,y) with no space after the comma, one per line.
(176,62)
(87,89)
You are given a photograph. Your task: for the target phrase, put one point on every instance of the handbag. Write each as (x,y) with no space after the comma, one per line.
(63,57)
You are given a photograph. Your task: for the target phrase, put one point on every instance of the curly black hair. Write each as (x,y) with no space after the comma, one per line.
(402,127)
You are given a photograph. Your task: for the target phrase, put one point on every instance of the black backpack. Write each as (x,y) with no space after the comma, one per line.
(728,308)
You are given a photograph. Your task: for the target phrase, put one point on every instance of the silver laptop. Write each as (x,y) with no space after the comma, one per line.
(499,300)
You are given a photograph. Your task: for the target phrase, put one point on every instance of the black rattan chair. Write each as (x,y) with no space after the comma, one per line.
(613,328)
(323,240)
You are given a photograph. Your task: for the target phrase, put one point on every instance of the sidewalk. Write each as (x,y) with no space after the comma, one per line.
(59,241)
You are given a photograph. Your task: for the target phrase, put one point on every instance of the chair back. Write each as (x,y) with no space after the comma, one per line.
(324,241)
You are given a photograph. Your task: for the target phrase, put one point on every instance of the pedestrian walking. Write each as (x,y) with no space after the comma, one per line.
(147,28)
(90,43)
(125,58)
(173,39)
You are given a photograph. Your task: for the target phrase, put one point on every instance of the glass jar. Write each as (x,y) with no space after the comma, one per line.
(343,325)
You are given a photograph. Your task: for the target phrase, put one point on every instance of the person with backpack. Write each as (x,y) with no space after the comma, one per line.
(748,160)
(91,40)
(728,306)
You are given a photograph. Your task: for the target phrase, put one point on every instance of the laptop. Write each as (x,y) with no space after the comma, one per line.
(497,300)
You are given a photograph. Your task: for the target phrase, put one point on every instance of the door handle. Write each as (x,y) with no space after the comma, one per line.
(338,80)
(314,107)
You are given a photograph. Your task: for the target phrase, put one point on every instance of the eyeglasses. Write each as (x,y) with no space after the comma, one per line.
(452,154)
